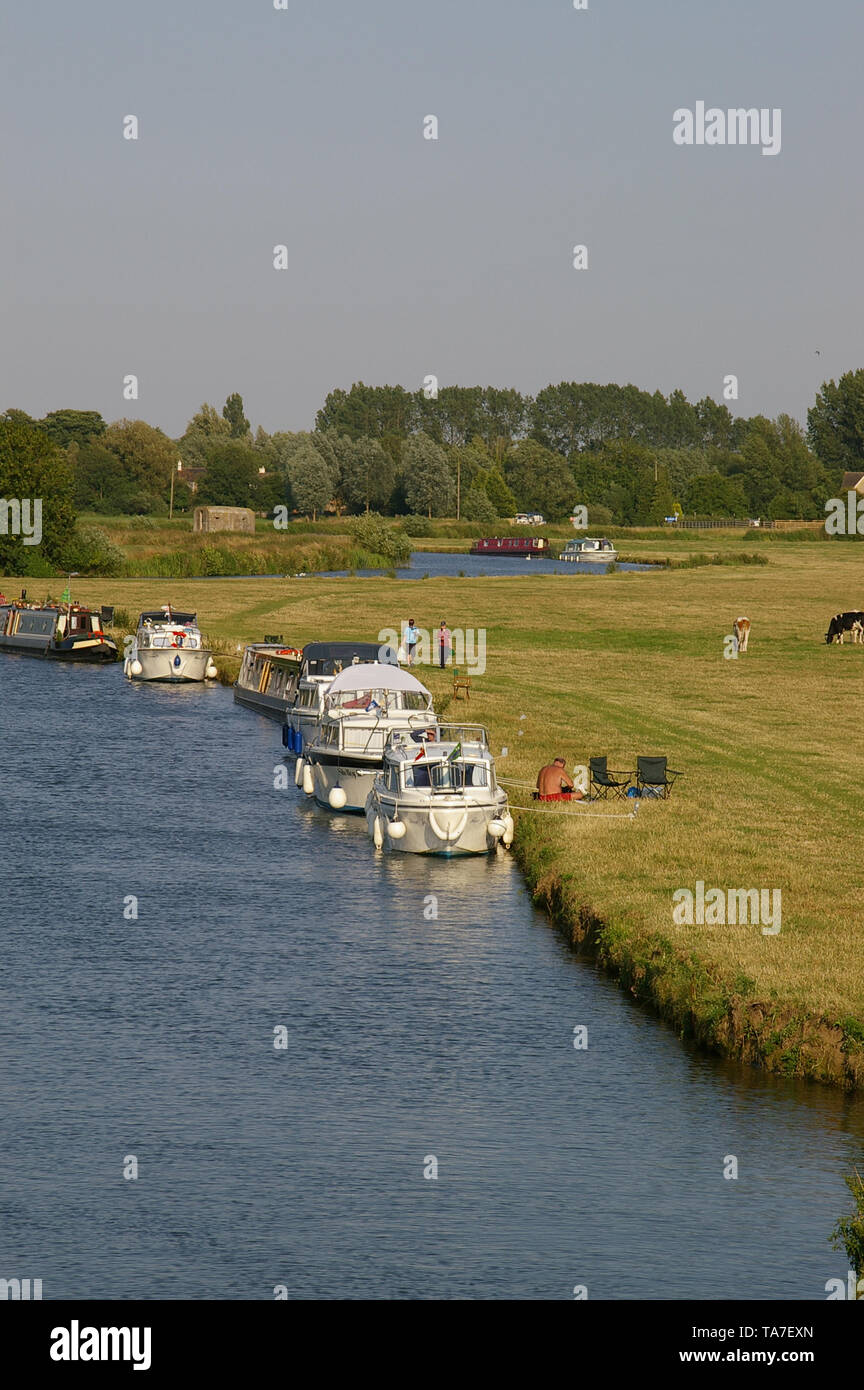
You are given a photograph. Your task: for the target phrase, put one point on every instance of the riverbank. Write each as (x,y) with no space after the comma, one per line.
(631,663)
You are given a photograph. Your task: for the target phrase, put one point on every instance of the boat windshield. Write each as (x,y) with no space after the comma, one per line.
(379,701)
(446,776)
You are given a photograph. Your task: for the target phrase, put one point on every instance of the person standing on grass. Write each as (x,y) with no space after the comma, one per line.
(445,642)
(411,639)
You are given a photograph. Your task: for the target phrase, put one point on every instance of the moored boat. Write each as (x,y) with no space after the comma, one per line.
(515,547)
(442,798)
(321,663)
(168,646)
(588,550)
(362,707)
(267,682)
(61,632)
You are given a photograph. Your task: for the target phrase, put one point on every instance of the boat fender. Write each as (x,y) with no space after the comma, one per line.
(509,829)
(496,828)
(377,833)
(298,772)
(453,832)
(308,784)
(337,798)
(298,742)
(135,668)
(286,736)
(211,672)
(396,829)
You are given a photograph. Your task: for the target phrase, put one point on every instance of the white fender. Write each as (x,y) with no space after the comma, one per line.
(298,772)
(135,668)
(377,833)
(396,829)
(337,798)
(308,783)
(211,673)
(496,828)
(509,829)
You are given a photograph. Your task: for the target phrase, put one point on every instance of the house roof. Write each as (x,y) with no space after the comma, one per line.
(853,482)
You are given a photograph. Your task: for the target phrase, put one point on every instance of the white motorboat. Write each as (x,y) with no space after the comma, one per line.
(440,798)
(589,551)
(320,664)
(362,707)
(168,646)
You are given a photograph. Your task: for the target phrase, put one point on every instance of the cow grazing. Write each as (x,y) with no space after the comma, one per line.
(842,623)
(741,630)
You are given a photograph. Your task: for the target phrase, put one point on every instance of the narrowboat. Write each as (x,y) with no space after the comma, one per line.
(168,646)
(440,798)
(268,678)
(321,663)
(516,547)
(589,551)
(362,707)
(61,632)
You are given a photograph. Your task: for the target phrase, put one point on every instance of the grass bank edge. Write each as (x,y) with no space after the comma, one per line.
(721,1014)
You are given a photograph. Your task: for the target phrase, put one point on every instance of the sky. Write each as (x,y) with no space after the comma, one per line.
(406,256)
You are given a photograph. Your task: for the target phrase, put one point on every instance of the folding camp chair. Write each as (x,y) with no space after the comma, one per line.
(656,775)
(603,781)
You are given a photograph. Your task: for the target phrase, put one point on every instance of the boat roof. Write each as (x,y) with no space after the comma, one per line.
(158,615)
(341,651)
(406,751)
(376,676)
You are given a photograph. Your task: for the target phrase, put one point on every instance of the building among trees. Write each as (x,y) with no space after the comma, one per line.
(224,519)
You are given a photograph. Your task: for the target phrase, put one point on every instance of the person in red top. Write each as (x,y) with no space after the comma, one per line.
(553,783)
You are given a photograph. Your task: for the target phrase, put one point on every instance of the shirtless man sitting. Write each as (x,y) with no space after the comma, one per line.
(553,783)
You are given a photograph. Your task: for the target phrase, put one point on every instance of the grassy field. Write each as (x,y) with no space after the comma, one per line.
(634,663)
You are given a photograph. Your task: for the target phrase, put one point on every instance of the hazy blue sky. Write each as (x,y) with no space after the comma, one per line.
(410,256)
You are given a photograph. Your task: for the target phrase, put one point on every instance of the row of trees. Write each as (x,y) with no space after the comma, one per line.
(631,456)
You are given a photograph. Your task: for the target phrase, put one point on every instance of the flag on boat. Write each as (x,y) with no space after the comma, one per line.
(66,597)
(421,754)
(456,753)
(373,704)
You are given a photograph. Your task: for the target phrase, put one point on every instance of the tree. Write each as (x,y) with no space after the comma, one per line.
(147,458)
(67,426)
(33,469)
(427,480)
(309,481)
(540,480)
(206,425)
(101,483)
(835,424)
(477,507)
(366,475)
(499,493)
(232,474)
(232,412)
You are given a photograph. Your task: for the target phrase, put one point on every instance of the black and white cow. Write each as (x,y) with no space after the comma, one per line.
(842,623)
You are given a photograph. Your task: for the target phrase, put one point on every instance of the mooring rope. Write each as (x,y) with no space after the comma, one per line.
(600,815)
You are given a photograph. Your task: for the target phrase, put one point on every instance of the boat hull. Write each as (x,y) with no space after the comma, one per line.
(270,705)
(450,827)
(89,650)
(170,665)
(355,777)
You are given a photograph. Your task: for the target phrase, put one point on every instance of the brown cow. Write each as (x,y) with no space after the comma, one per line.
(741,630)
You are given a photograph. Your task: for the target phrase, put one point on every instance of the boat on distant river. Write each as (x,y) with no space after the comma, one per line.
(589,551)
(168,646)
(514,547)
(61,632)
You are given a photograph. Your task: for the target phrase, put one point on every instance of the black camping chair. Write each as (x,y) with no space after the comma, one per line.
(655,774)
(603,781)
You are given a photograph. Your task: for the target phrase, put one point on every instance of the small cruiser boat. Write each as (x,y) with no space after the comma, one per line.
(168,646)
(61,632)
(362,707)
(440,798)
(321,663)
(586,550)
(268,677)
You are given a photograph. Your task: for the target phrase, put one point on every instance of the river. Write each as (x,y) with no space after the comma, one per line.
(409,1037)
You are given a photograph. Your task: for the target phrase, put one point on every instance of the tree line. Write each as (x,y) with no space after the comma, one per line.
(482,453)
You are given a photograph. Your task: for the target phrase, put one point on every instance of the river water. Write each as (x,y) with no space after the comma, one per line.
(409,1036)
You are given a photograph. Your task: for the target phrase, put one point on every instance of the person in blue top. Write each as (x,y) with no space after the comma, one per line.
(411,639)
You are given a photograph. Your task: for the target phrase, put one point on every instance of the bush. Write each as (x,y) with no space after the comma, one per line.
(416,525)
(372,533)
(478,507)
(90,551)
